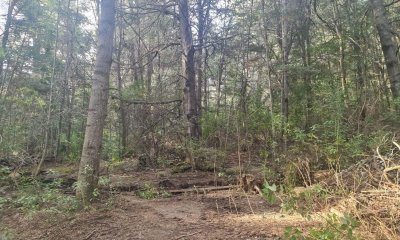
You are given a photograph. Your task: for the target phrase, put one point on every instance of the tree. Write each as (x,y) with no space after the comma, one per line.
(188,71)
(48,122)
(92,146)
(389,48)
(4,39)
(285,48)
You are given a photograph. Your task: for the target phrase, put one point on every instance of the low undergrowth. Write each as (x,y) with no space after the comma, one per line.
(31,196)
(151,192)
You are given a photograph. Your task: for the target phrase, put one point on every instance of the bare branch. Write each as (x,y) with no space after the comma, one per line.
(143,102)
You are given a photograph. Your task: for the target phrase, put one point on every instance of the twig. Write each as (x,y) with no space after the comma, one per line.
(248,201)
(386,170)
(89,236)
(188,235)
(397,145)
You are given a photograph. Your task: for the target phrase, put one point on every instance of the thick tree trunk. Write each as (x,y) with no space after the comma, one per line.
(388,45)
(188,71)
(92,146)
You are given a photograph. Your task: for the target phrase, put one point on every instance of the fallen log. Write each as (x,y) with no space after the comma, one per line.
(203,189)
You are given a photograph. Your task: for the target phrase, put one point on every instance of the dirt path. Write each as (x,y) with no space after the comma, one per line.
(227,214)
(220,215)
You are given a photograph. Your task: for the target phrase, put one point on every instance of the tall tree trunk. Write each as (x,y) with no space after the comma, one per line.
(149,108)
(201,59)
(72,89)
(305,45)
(122,106)
(66,86)
(188,71)
(92,146)
(200,34)
(388,45)
(285,58)
(4,40)
(269,101)
(342,47)
(221,66)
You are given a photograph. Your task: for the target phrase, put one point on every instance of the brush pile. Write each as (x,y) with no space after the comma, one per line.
(375,194)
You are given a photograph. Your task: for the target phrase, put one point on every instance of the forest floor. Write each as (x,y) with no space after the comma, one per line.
(125,214)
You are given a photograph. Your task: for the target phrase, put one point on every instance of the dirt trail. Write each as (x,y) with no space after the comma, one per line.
(227,214)
(220,215)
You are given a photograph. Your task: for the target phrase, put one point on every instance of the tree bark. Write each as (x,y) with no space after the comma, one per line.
(305,46)
(4,40)
(285,59)
(270,100)
(200,33)
(122,106)
(92,146)
(388,45)
(188,71)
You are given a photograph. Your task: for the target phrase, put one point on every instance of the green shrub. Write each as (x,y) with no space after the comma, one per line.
(335,228)
(6,234)
(34,196)
(151,192)
(268,192)
(3,202)
(305,201)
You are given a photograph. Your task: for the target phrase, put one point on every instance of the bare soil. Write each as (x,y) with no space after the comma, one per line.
(226,214)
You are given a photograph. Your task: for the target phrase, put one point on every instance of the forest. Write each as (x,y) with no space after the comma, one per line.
(200,119)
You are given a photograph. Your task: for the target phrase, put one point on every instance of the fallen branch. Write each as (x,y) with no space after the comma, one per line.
(204,190)
(187,235)
(147,103)
(381,192)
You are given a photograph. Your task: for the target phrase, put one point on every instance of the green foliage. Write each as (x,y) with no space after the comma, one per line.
(335,228)
(208,159)
(95,194)
(111,150)
(104,181)
(3,201)
(4,173)
(269,174)
(151,192)
(6,234)
(48,198)
(181,167)
(74,146)
(212,124)
(28,201)
(2,54)
(268,192)
(32,196)
(291,178)
(259,119)
(306,201)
